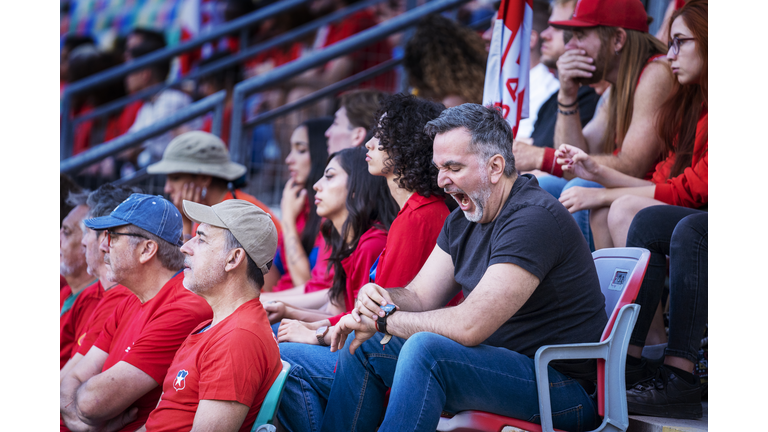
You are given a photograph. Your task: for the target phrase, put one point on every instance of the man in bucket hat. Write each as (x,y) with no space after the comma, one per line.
(605,40)
(198,169)
(224,369)
(116,384)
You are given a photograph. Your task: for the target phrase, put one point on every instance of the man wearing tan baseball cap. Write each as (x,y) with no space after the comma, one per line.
(224,369)
(198,168)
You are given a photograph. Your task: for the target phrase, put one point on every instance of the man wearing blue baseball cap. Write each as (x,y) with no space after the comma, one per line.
(116,385)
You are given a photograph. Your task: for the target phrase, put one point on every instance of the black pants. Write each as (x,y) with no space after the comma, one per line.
(680,233)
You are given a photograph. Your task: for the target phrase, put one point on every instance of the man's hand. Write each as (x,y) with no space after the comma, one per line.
(580,198)
(369,299)
(275,311)
(188,192)
(296,331)
(527,157)
(294,197)
(364,330)
(571,66)
(578,162)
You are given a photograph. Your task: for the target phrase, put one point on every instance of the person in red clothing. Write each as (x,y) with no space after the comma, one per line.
(73,267)
(198,169)
(117,383)
(224,369)
(96,302)
(358,212)
(297,253)
(401,153)
(681,179)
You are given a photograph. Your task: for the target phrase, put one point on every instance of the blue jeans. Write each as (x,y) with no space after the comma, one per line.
(429,373)
(307,386)
(556,186)
(682,234)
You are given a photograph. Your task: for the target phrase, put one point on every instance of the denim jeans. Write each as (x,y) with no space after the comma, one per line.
(556,186)
(429,373)
(681,233)
(307,386)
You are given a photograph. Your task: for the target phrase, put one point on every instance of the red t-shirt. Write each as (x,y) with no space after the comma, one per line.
(411,239)
(226,120)
(691,188)
(148,335)
(235,360)
(104,309)
(358,265)
(76,319)
(64,293)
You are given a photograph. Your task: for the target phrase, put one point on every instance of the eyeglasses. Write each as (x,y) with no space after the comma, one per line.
(675,44)
(112,233)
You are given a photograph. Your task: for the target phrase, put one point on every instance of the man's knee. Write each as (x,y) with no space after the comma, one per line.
(422,347)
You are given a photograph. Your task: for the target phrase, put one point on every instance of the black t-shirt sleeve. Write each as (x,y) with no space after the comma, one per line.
(531,239)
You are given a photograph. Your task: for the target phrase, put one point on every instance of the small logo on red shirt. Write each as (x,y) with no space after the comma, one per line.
(180,382)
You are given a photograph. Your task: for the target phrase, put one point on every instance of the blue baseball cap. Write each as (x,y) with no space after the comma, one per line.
(152,213)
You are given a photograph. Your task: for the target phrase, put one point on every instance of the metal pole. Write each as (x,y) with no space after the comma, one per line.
(319,57)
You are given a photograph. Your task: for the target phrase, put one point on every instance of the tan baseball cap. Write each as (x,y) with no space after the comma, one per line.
(250,225)
(198,152)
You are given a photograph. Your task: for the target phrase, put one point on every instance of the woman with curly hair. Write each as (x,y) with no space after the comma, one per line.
(445,61)
(401,153)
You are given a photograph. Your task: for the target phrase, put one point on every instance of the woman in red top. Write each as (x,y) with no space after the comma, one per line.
(682,178)
(299,252)
(358,211)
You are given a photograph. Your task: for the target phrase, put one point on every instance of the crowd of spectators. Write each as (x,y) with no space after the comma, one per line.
(391,308)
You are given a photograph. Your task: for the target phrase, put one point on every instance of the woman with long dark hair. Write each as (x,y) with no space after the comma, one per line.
(301,250)
(682,178)
(358,211)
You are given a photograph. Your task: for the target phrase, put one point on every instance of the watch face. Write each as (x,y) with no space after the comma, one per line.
(321,331)
(388,308)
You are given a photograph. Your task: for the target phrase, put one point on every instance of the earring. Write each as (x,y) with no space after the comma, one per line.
(204,192)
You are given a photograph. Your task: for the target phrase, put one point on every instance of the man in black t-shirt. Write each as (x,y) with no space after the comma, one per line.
(528,281)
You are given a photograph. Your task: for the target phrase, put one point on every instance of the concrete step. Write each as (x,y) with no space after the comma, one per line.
(659,424)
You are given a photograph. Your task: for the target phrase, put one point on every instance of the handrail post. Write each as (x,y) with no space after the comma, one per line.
(65,144)
(236,145)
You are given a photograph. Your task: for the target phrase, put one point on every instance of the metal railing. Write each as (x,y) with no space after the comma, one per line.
(238,146)
(113,74)
(214,102)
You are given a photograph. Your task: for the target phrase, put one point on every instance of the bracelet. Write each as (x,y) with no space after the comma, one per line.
(568,106)
(572,112)
(548,164)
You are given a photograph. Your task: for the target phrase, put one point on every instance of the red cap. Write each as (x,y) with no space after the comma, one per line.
(627,14)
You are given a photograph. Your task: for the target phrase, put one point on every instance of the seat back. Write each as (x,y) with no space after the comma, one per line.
(266,416)
(621,272)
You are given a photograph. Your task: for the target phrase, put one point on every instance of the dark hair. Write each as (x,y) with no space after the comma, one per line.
(148,35)
(160,69)
(103,200)
(679,115)
(361,105)
(72,41)
(318,156)
(252,270)
(491,134)
(66,186)
(445,58)
(369,204)
(400,131)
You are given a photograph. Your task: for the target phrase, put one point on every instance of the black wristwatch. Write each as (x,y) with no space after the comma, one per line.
(381,322)
(320,334)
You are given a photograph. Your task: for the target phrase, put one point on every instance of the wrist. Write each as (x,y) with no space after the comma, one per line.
(567,98)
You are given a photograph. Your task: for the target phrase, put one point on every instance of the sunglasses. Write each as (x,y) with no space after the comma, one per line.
(110,235)
(674,44)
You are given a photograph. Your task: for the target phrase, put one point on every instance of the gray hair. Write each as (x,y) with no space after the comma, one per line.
(103,200)
(491,134)
(170,255)
(253,271)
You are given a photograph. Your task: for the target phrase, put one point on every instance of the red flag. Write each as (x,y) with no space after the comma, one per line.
(507,73)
